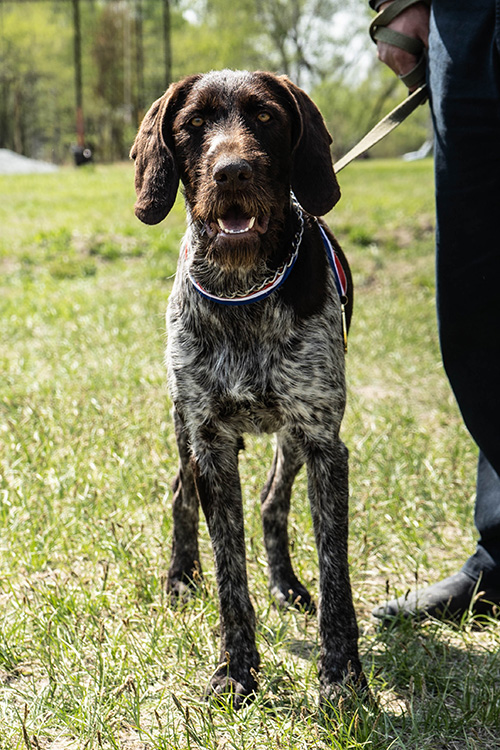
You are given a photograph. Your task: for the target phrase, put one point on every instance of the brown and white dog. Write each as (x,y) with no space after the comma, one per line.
(255,344)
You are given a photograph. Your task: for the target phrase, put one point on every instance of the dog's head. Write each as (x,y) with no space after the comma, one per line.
(239,142)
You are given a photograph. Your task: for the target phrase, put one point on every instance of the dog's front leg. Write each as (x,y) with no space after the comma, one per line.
(218,485)
(339,664)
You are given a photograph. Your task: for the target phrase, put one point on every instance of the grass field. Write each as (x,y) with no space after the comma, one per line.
(92,655)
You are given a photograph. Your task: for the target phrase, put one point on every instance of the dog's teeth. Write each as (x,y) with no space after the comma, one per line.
(226,230)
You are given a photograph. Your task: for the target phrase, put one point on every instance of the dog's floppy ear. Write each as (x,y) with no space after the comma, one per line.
(313,179)
(156,173)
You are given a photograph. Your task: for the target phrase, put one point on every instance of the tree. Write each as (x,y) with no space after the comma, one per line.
(306,39)
(302,36)
(108,54)
(127,61)
(36,80)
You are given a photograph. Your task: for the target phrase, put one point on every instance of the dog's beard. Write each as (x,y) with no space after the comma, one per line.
(232,254)
(238,230)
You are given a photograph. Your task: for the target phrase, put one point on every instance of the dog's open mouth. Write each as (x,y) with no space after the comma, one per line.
(236,223)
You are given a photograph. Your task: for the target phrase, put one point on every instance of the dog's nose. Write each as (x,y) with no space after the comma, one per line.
(232,172)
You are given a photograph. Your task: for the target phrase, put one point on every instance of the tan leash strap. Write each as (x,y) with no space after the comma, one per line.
(385,126)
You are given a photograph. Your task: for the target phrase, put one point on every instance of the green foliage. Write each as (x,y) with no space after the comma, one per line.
(217,38)
(125,66)
(352,109)
(92,653)
(36,77)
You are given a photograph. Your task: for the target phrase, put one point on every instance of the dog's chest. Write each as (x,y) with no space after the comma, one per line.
(250,372)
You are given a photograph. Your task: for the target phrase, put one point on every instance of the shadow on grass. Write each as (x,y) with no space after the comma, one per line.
(437,683)
(434,685)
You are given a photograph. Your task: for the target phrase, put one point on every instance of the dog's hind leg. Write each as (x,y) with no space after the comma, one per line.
(185,570)
(275,506)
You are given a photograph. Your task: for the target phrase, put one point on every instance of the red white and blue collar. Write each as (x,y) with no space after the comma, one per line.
(272,282)
(335,264)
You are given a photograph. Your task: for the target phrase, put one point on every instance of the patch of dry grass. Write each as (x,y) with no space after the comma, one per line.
(92,654)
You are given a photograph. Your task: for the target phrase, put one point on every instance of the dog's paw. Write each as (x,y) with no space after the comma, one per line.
(348,688)
(293,595)
(346,704)
(180,592)
(226,689)
(182,586)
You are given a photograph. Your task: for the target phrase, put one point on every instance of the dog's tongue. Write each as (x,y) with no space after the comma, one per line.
(235,222)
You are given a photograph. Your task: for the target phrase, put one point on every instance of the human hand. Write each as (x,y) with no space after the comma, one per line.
(414,22)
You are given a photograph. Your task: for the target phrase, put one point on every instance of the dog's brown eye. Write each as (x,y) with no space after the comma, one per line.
(264,116)
(197,122)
